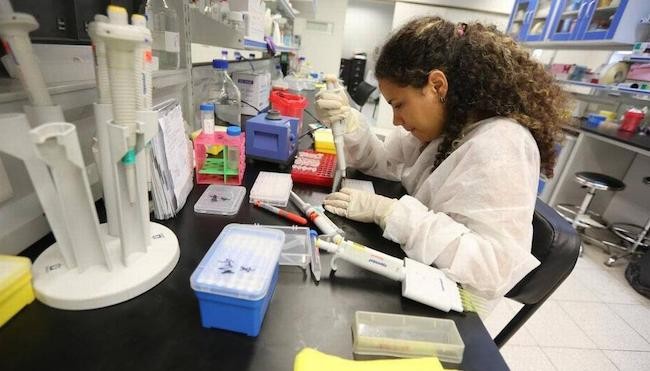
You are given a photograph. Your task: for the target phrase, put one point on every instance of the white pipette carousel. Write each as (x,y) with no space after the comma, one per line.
(88,267)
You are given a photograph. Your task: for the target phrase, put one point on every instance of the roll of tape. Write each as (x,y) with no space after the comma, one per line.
(613,73)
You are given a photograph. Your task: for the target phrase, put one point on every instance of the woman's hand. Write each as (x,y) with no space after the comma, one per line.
(360,206)
(334,105)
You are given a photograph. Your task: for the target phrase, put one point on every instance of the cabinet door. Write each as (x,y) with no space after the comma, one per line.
(520,18)
(542,14)
(601,19)
(567,19)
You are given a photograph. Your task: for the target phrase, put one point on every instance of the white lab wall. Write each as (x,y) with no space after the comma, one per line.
(407,11)
(493,6)
(367,26)
(322,49)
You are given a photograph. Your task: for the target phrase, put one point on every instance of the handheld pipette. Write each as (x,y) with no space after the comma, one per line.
(338,131)
(326,226)
(420,282)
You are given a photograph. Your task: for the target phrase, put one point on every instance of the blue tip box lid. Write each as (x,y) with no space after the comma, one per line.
(233,131)
(240,263)
(206,107)
(220,64)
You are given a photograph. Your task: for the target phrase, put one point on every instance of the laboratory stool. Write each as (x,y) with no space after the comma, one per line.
(634,237)
(579,216)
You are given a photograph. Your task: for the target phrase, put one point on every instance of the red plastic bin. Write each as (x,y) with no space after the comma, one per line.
(324,175)
(289,104)
(203,142)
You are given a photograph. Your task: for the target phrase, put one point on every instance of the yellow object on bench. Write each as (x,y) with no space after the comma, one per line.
(324,141)
(312,360)
(215,149)
(15,285)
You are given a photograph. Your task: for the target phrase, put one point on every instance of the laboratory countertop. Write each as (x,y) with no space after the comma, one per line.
(636,140)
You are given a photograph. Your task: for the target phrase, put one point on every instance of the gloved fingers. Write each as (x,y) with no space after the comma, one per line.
(331,78)
(337,211)
(328,104)
(337,203)
(335,94)
(350,191)
(338,196)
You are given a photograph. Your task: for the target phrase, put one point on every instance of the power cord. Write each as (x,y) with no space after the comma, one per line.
(250,105)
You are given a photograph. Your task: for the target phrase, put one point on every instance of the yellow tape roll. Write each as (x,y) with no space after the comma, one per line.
(613,73)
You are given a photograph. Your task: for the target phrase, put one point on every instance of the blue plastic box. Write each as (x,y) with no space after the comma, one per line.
(272,138)
(236,278)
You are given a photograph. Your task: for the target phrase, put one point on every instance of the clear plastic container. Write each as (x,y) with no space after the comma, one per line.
(233,151)
(207,117)
(296,250)
(163,22)
(405,336)
(220,200)
(225,95)
(272,188)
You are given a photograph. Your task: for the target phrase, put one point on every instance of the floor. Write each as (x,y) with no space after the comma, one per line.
(594,321)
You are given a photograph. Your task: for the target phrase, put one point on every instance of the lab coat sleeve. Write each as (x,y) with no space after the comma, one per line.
(365,152)
(481,234)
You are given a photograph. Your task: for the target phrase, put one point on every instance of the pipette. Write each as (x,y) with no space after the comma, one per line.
(326,226)
(338,131)
(283,213)
(420,282)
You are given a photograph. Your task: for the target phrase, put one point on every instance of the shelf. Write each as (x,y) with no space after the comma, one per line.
(607,9)
(286,9)
(208,31)
(611,89)
(579,45)
(165,79)
(253,44)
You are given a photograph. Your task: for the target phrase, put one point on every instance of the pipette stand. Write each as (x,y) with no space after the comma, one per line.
(103,114)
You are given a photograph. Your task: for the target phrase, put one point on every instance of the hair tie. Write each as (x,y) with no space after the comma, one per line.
(462,28)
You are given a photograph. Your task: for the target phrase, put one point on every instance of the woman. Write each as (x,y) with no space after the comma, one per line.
(477,121)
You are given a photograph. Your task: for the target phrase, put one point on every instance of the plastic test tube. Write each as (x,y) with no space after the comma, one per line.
(233,150)
(207,117)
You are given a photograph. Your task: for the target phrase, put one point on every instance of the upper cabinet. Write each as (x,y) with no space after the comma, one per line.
(585,21)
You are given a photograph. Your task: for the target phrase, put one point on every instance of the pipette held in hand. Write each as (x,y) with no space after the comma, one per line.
(338,131)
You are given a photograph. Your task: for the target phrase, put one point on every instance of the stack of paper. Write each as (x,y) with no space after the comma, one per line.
(171,162)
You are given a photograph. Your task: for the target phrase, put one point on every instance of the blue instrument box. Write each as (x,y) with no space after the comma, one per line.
(272,137)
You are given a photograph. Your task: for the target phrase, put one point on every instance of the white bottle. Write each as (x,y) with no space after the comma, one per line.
(162,20)
(225,95)
(233,151)
(207,118)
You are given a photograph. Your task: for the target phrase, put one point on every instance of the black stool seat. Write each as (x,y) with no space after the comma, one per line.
(599,181)
(646,180)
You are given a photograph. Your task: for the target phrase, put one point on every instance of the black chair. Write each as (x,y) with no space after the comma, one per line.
(363,92)
(557,246)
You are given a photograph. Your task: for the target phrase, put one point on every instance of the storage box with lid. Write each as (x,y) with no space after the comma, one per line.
(15,286)
(236,278)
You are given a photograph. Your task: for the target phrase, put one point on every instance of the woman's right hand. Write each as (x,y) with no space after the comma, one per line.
(333,105)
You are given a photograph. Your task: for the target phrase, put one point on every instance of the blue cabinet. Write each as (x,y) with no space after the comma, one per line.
(531,19)
(587,19)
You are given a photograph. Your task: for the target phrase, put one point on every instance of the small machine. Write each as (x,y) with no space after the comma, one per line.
(272,137)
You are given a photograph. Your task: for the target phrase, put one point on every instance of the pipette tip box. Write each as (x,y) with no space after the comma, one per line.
(236,278)
(15,286)
(272,188)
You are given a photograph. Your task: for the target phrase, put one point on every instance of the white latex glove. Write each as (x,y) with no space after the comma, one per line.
(360,206)
(333,105)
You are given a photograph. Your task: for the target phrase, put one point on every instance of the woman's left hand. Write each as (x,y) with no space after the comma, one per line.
(360,206)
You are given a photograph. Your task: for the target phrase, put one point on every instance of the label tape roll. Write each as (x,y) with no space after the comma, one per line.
(613,73)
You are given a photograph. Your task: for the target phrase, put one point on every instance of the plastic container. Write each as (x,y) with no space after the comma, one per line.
(404,336)
(324,141)
(15,286)
(164,24)
(220,200)
(225,95)
(631,120)
(236,278)
(233,154)
(296,250)
(272,188)
(322,174)
(595,120)
(214,169)
(207,117)
(288,104)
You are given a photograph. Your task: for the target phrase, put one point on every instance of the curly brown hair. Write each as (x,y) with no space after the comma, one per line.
(488,74)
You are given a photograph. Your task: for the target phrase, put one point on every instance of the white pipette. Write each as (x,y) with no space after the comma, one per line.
(338,131)
(101,65)
(420,282)
(326,226)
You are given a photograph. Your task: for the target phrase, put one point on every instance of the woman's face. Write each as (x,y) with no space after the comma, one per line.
(418,110)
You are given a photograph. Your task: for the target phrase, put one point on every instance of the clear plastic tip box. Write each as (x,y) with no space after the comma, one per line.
(236,278)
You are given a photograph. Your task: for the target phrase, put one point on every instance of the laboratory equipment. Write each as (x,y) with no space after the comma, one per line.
(232,151)
(398,335)
(272,137)
(324,141)
(420,282)
(15,286)
(326,226)
(91,266)
(338,131)
(311,359)
(632,119)
(220,200)
(214,168)
(297,245)
(315,256)
(164,25)
(271,188)
(207,117)
(236,278)
(254,87)
(225,95)
(283,213)
(314,168)
(288,104)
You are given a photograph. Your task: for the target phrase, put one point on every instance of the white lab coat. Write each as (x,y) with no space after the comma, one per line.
(471,217)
